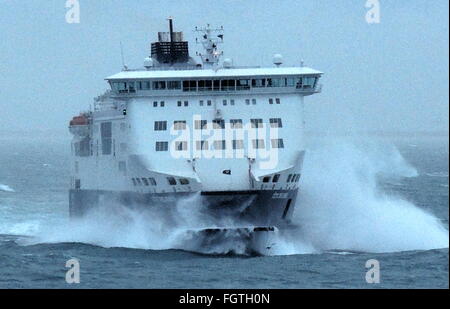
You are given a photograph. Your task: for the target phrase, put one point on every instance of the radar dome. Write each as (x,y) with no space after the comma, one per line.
(277,59)
(227,63)
(148,63)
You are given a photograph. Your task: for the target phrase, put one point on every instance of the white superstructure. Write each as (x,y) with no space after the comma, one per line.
(176,127)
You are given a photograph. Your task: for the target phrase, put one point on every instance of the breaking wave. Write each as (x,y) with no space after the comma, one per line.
(340,208)
(6,188)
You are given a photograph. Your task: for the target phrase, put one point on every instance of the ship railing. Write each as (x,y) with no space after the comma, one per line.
(187,67)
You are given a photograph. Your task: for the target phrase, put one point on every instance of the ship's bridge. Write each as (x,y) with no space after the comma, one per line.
(153,82)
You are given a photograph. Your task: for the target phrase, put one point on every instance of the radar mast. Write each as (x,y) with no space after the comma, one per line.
(210,38)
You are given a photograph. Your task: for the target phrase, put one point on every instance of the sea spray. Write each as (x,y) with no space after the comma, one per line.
(6,188)
(341,206)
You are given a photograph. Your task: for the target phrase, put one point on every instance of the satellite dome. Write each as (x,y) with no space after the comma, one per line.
(227,63)
(277,59)
(148,63)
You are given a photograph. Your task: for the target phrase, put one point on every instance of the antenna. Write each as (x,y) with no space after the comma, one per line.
(123,58)
(210,39)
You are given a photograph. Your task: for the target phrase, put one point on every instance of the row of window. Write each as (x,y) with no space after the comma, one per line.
(218,124)
(231,102)
(144,181)
(183,181)
(159,104)
(152,182)
(293,178)
(219,145)
(276,178)
(305,82)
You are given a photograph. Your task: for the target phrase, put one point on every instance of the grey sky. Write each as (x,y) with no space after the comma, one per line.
(391,76)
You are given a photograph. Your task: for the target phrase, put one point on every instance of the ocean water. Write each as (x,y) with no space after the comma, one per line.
(359,201)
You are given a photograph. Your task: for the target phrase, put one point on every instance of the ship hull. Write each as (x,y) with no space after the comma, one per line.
(240,208)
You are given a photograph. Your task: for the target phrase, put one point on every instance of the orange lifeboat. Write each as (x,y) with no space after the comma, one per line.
(81,120)
(79,125)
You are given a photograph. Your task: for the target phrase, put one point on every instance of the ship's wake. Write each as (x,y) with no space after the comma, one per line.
(341,208)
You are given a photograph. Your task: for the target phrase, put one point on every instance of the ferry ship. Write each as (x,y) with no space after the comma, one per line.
(177,128)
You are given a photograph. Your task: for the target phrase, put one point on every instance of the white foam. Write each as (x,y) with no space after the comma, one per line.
(6,188)
(340,206)
(438,174)
(340,209)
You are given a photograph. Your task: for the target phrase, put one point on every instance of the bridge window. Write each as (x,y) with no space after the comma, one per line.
(152,181)
(276,123)
(277,143)
(290,82)
(186,103)
(173,85)
(155,104)
(179,103)
(171,181)
(289,178)
(228,85)
(184,181)
(160,125)
(162,146)
(259,83)
(190,85)
(159,85)
(216,85)
(179,125)
(278,100)
(131,87)
(276,178)
(308,82)
(205,85)
(143,85)
(256,123)
(145,181)
(270,101)
(266,179)
(274,82)
(162,103)
(243,84)
(124,87)
(209,102)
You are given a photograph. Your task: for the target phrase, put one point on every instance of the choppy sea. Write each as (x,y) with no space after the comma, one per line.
(359,201)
